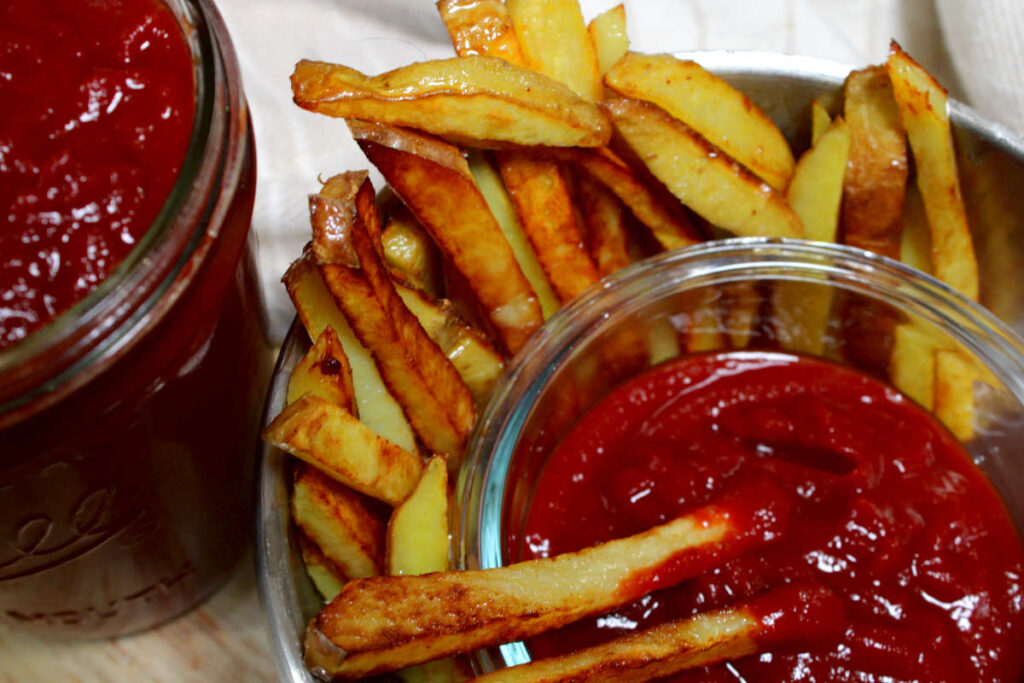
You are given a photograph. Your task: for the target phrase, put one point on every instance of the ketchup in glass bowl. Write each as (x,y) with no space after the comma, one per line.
(132,349)
(607,424)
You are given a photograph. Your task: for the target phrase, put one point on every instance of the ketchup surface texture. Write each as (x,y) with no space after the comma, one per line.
(887,511)
(96,109)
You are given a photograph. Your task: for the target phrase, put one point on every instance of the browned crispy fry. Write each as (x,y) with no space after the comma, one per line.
(325,372)
(555,42)
(710,106)
(328,437)
(787,616)
(666,219)
(702,176)
(605,221)
(434,181)
(542,200)
(435,399)
(383,623)
(377,408)
(876,174)
(344,528)
(477,100)
(922,108)
(477,361)
(481,27)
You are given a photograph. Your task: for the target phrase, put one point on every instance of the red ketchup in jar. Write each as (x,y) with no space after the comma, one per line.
(887,511)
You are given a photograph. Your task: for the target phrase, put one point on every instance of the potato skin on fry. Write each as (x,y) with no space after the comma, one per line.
(476,100)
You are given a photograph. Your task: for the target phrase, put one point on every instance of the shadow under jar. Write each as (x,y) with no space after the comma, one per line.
(835,303)
(128,423)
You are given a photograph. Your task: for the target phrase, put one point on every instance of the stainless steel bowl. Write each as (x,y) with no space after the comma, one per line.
(991,159)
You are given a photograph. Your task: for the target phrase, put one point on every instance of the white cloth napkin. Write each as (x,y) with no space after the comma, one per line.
(295,147)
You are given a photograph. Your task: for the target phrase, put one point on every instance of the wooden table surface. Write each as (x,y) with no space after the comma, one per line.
(222,640)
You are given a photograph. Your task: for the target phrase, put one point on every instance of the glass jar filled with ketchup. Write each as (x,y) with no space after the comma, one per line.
(869,413)
(133,355)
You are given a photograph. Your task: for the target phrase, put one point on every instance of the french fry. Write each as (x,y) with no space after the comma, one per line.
(338,521)
(923,110)
(704,328)
(417,536)
(820,120)
(488,180)
(608,35)
(954,393)
(481,27)
(327,578)
(330,439)
(376,407)
(605,221)
(666,220)
(699,174)
(325,372)
(434,181)
(876,175)
(535,184)
(474,357)
(811,613)
(383,623)
(742,303)
(541,197)
(916,242)
(711,107)
(815,193)
(912,368)
(554,42)
(476,100)
(435,399)
(409,251)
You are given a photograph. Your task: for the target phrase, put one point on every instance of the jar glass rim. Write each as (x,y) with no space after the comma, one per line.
(76,338)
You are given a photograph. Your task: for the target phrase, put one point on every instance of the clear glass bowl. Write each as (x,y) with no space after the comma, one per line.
(624,326)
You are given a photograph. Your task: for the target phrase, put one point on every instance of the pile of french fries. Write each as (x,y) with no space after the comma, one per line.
(542,157)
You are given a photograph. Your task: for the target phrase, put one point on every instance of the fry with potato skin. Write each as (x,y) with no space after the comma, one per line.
(329,438)
(786,616)
(923,110)
(434,181)
(709,105)
(475,100)
(383,623)
(876,175)
(700,175)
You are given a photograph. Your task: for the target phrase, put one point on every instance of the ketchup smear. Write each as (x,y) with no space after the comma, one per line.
(96,108)
(886,511)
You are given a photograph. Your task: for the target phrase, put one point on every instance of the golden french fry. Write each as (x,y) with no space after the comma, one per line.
(330,439)
(923,111)
(554,42)
(325,372)
(377,408)
(710,106)
(608,34)
(606,234)
(384,623)
(912,367)
(474,357)
(481,27)
(666,220)
(954,392)
(477,100)
(876,175)
(409,251)
(810,612)
(327,578)
(541,197)
(339,522)
(434,181)
(488,180)
(820,120)
(417,537)
(701,175)
(916,242)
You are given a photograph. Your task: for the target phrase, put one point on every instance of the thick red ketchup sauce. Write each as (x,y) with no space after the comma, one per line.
(886,511)
(96,109)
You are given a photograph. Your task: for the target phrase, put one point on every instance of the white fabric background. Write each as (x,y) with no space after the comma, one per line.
(979,57)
